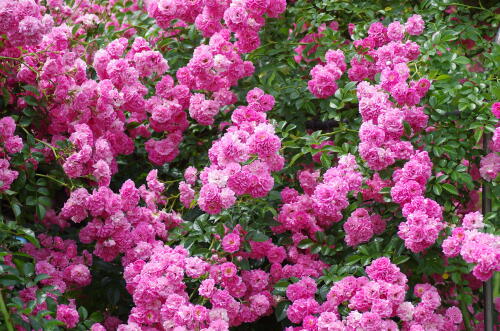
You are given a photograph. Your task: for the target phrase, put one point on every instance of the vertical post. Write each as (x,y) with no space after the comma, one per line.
(486,204)
(487,286)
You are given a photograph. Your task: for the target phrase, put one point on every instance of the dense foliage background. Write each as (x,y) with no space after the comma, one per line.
(50,62)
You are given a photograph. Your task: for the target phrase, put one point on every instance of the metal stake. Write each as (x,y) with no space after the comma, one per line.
(486,202)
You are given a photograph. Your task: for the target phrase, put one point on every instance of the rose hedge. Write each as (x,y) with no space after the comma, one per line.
(248,164)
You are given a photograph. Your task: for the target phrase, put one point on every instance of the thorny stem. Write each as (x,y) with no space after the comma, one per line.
(170,183)
(338,131)
(53,179)
(465,314)
(56,156)
(323,134)
(45,143)
(5,313)
(192,293)
(468,6)
(174,199)
(20,61)
(212,244)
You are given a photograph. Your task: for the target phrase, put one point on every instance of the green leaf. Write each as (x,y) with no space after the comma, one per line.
(83,313)
(326,162)
(35,322)
(295,158)
(364,250)
(257,236)
(352,259)
(16,208)
(43,190)
(436,188)
(281,285)
(281,309)
(40,211)
(28,269)
(51,304)
(41,297)
(306,243)
(385,190)
(400,259)
(41,277)
(461,60)
(75,28)
(450,188)
(29,235)
(443,77)
(31,89)
(96,317)
(5,95)
(30,100)
(10,280)
(478,134)
(45,201)
(407,128)
(30,201)
(52,325)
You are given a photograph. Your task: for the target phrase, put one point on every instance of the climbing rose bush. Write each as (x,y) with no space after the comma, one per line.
(248,165)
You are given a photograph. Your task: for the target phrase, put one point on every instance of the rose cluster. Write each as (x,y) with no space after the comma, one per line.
(423,216)
(312,38)
(243,18)
(120,222)
(241,160)
(96,112)
(382,128)
(30,296)
(373,188)
(361,226)
(214,68)
(9,144)
(163,112)
(156,281)
(85,109)
(490,164)
(159,276)
(101,109)
(218,65)
(68,314)
(323,83)
(331,196)
(65,269)
(22,22)
(287,261)
(479,248)
(373,302)
(322,203)
(385,48)
(60,260)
